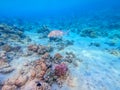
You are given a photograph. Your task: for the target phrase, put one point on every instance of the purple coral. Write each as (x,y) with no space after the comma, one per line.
(61,69)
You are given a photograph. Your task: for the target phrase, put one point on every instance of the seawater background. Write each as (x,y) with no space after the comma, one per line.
(27,8)
(97,68)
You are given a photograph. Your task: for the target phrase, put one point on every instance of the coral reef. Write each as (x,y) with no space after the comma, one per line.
(36,72)
(33,48)
(9,87)
(7,48)
(70,56)
(37,85)
(11,30)
(21,80)
(12,34)
(57,56)
(61,70)
(4,64)
(34,57)
(40,74)
(5,29)
(89,33)
(46,56)
(44,31)
(40,49)
(62,44)
(6,69)
(115,52)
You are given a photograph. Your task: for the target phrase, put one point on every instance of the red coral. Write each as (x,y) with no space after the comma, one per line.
(61,69)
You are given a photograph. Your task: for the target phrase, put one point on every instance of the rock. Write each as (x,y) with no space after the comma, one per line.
(9,87)
(33,74)
(50,77)
(40,68)
(7,48)
(37,85)
(43,29)
(43,66)
(4,28)
(70,56)
(57,56)
(68,42)
(33,48)
(46,56)
(15,34)
(72,81)
(2,54)
(89,32)
(21,80)
(41,75)
(11,81)
(42,50)
(45,86)
(4,65)
(6,70)
(115,52)
(16,48)
(2,62)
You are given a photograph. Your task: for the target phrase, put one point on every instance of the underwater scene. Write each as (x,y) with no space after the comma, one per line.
(59,44)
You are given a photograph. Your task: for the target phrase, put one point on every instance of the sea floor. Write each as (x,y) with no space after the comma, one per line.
(91,46)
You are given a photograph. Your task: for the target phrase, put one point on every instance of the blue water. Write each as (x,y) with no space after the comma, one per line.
(55,7)
(91,32)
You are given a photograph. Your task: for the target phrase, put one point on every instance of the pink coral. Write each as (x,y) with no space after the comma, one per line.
(61,69)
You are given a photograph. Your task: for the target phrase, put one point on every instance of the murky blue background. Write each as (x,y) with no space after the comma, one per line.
(40,8)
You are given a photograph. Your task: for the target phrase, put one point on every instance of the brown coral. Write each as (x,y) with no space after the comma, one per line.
(57,56)
(40,49)
(40,68)
(21,80)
